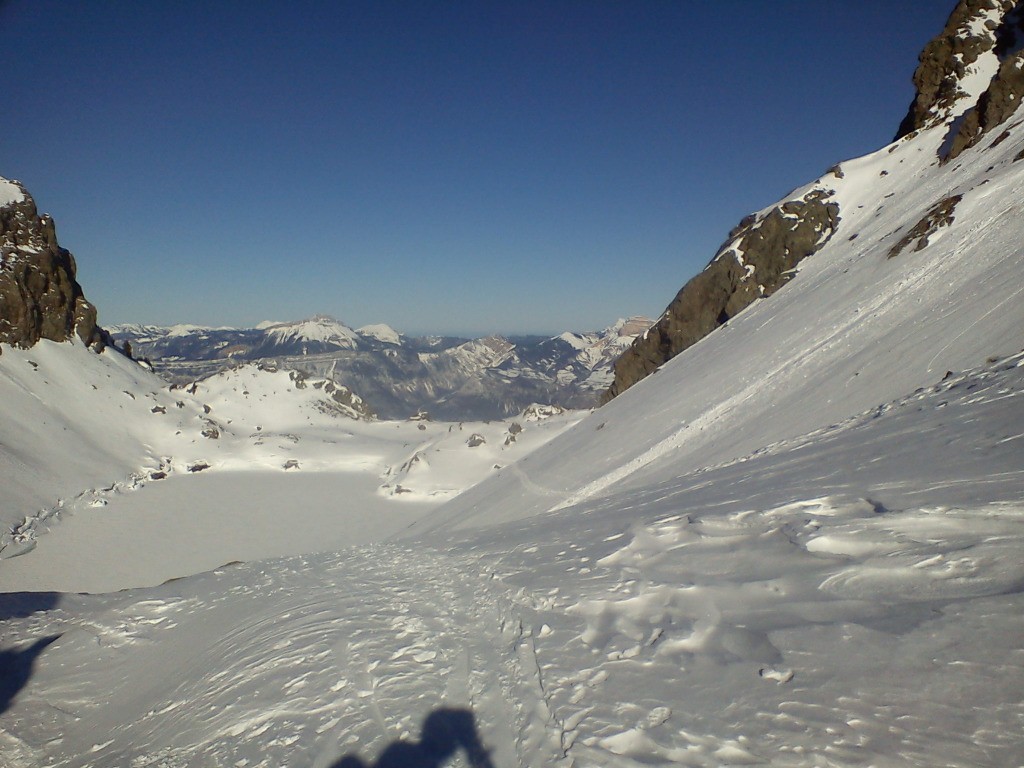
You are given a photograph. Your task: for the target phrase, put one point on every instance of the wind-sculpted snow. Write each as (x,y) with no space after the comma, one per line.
(850,598)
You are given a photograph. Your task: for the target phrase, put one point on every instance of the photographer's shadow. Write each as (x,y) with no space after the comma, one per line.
(445,731)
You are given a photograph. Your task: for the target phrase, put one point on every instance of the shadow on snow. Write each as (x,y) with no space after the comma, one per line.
(17,664)
(445,731)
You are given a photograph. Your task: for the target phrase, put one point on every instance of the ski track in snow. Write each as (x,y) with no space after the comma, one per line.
(566,658)
(658,626)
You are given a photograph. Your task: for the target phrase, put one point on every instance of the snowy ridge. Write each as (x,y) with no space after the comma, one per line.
(315,334)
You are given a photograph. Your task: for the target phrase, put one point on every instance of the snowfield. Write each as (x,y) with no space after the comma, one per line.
(799,544)
(117,480)
(849,598)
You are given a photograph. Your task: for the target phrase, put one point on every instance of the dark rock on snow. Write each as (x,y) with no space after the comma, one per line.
(756,260)
(762,250)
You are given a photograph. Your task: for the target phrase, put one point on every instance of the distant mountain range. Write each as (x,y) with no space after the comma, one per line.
(448,377)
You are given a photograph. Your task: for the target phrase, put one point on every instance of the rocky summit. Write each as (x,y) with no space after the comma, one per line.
(982,39)
(39,295)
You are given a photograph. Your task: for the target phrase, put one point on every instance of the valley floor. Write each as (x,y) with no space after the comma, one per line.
(853,597)
(189,524)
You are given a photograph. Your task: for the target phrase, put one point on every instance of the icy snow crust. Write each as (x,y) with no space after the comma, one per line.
(798,544)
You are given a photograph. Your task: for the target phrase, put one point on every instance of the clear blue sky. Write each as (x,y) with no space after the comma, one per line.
(461,167)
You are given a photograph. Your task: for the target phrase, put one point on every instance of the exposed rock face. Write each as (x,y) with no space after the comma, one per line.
(941,215)
(755,261)
(982,39)
(39,295)
(1004,93)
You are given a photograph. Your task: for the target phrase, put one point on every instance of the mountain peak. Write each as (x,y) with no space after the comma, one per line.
(381,332)
(317,334)
(970,68)
(40,297)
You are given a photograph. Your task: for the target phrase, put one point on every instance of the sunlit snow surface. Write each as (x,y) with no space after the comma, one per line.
(10,193)
(849,598)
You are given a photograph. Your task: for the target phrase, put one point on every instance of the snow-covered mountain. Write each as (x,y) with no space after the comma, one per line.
(491,377)
(318,334)
(797,542)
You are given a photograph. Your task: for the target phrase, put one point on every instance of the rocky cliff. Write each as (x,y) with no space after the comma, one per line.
(39,295)
(969,81)
(983,39)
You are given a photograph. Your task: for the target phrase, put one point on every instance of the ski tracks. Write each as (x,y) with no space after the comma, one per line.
(437,633)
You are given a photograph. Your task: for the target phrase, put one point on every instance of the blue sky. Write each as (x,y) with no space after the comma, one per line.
(440,166)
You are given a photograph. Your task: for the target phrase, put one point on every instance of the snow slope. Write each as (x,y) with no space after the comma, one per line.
(810,606)
(853,330)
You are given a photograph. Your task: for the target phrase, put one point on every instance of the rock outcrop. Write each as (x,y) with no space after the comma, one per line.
(982,39)
(970,80)
(39,295)
(756,260)
(1005,91)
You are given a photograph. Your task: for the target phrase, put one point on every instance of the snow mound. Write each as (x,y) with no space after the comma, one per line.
(381,332)
(10,193)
